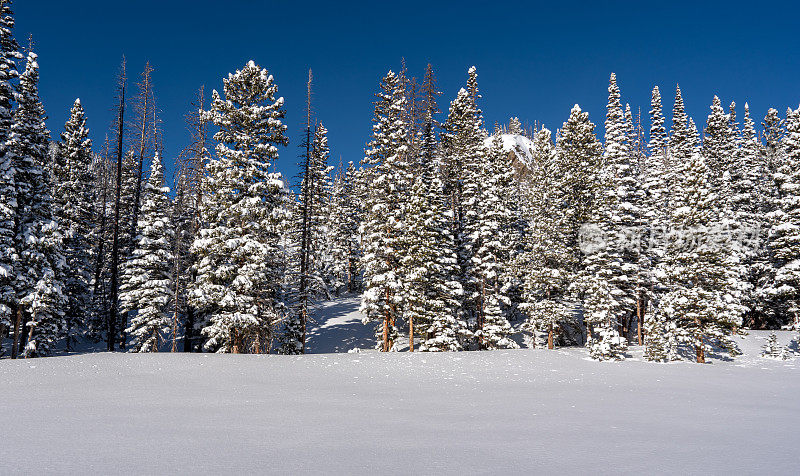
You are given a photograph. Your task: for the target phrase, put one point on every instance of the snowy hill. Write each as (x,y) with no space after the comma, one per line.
(495,412)
(520,145)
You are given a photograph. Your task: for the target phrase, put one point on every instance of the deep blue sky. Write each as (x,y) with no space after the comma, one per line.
(534,61)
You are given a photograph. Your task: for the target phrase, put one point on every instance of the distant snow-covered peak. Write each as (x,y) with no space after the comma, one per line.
(520,145)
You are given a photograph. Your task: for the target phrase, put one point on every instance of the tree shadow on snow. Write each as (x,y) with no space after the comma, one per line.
(337,327)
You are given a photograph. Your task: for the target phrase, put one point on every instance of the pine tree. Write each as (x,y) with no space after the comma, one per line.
(681,142)
(784,235)
(239,265)
(9,52)
(493,237)
(345,217)
(315,252)
(722,156)
(429,109)
(387,181)
(463,139)
(695,265)
(147,283)
(431,290)
(773,350)
(75,199)
(546,263)
(38,240)
(610,278)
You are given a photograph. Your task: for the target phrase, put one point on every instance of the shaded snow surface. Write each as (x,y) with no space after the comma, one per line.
(523,411)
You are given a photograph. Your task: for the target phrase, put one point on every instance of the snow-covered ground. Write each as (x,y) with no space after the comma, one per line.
(522,411)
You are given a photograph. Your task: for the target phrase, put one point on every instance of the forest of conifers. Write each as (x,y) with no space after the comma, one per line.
(457,235)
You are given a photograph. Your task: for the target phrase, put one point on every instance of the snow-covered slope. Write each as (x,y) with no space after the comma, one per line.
(520,145)
(524,411)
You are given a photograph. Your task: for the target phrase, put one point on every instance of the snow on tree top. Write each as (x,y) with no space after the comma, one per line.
(520,145)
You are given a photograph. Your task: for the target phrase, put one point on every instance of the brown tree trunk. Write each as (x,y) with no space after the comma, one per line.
(701,354)
(17,324)
(236,342)
(639,319)
(550,337)
(411,333)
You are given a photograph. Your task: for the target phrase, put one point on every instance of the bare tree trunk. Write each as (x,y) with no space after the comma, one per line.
(639,319)
(411,333)
(114,309)
(305,233)
(386,317)
(236,339)
(17,325)
(550,337)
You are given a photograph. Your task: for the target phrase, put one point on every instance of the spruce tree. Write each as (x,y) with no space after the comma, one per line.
(493,237)
(345,218)
(784,235)
(695,266)
(431,290)
(546,263)
(75,199)
(681,142)
(387,181)
(9,52)
(40,262)
(148,277)
(239,265)
(464,154)
(610,277)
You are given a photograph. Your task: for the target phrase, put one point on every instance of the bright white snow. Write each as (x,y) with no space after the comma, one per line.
(521,145)
(518,411)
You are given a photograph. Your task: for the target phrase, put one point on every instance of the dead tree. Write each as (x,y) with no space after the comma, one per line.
(306,206)
(120,131)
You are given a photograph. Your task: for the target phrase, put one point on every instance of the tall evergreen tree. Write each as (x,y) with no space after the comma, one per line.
(75,198)
(464,153)
(9,52)
(147,283)
(40,292)
(547,264)
(784,235)
(388,181)
(239,266)
(680,140)
(695,266)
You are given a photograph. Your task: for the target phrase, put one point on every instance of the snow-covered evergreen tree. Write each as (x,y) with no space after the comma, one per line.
(493,236)
(681,142)
(725,177)
(463,156)
(148,278)
(387,180)
(312,231)
(40,291)
(546,264)
(239,264)
(9,52)
(784,235)
(75,199)
(773,350)
(695,264)
(345,221)
(431,290)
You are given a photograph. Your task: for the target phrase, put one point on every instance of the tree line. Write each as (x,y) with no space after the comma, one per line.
(455,238)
